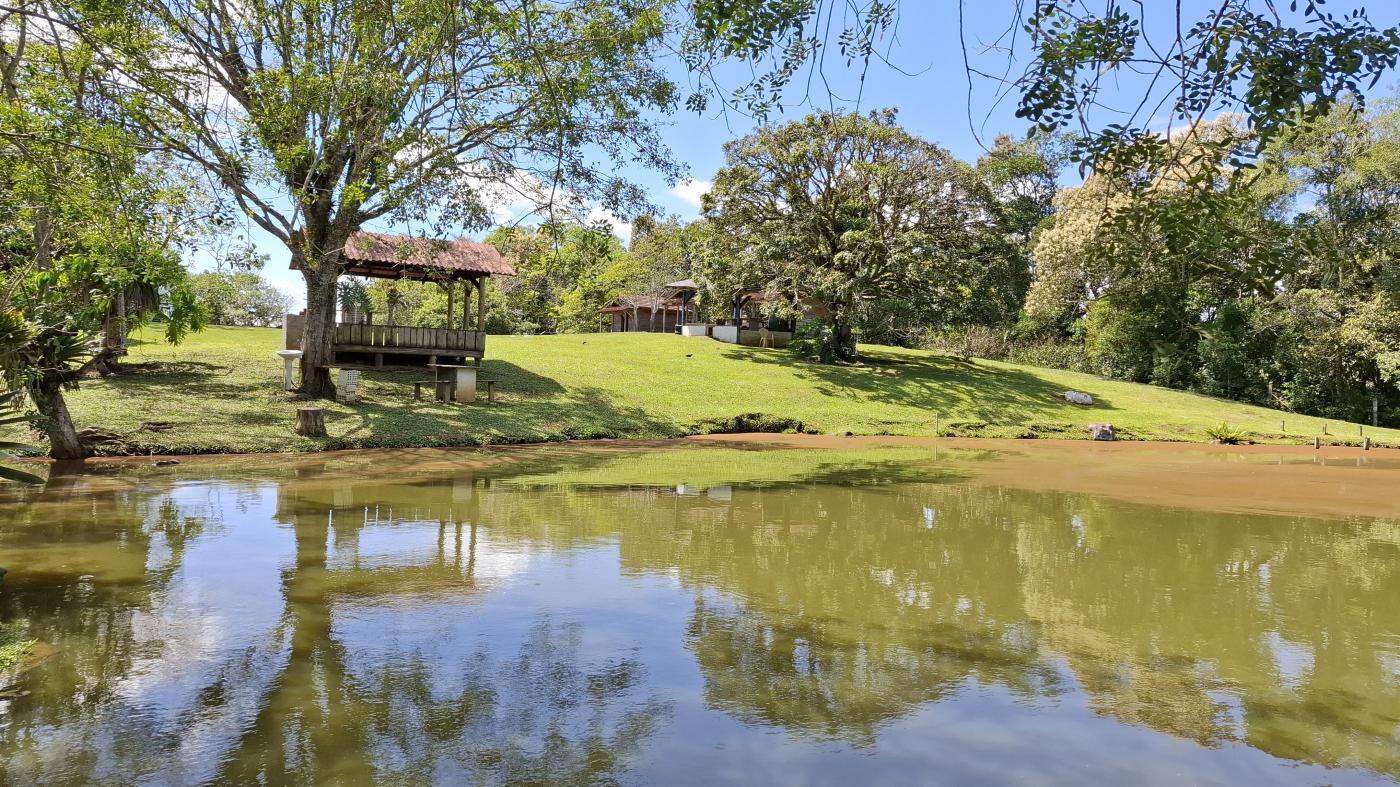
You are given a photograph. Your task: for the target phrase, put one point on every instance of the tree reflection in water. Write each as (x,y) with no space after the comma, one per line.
(350,636)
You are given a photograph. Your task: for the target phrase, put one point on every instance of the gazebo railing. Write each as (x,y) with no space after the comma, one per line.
(407,338)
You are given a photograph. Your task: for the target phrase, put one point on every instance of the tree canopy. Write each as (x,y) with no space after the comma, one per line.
(853,212)
(91,224)
(316,117)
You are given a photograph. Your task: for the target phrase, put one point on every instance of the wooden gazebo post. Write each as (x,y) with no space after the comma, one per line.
(481,305)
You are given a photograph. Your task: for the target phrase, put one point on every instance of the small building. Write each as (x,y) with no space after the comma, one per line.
(675,309)
(751,325)
(454,265)
(664,312)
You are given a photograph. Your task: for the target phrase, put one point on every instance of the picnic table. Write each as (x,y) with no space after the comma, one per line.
(462,379)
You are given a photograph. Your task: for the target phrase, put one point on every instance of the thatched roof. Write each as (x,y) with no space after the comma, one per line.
(384,256)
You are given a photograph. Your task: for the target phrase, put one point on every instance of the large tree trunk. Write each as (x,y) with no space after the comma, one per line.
(318,335)
(113,338)
(844,337)
(63,438)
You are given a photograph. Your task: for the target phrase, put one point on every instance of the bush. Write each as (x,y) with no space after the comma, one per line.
(1050,354)
(973,341)
(750,423)
(1226,434)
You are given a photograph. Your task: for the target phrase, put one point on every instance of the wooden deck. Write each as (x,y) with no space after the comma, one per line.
(379,341)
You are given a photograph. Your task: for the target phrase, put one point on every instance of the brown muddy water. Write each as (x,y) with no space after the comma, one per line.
(800,611)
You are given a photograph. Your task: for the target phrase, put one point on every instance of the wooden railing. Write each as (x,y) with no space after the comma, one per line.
(404,337)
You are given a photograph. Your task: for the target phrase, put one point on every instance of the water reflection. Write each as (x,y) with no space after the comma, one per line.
(563,621)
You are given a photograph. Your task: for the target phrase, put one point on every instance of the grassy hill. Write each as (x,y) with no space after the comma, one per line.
(221,390)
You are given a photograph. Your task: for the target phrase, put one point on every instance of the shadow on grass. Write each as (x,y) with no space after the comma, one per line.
(184,378)
(938,384)
(560,414)
(516,379)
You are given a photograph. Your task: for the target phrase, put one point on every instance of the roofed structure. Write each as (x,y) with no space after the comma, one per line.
(646,302)
(360,342)
(383,256)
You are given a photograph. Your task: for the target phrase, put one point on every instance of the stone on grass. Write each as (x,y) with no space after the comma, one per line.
(1102,432)
(1078,398)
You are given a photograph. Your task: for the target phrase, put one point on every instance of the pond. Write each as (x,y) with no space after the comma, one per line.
(721,612)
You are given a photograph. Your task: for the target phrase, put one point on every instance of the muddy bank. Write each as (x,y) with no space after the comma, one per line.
(1333,482)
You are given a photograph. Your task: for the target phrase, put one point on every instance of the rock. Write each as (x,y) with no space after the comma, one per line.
(1078,398)
(1102,432)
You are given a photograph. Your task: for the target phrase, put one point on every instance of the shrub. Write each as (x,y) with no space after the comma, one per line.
(1051,355)
(1226,434)
(750,423)
(973,341)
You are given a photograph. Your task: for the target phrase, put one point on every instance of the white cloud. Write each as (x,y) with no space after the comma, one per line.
(620,228)
(522,197)
(691,190)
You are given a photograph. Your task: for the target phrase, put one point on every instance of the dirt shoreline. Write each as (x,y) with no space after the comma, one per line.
(1331,482)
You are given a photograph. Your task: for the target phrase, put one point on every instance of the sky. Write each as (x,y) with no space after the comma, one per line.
(924,79)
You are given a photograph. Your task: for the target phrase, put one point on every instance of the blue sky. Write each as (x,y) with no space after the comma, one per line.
(925,80)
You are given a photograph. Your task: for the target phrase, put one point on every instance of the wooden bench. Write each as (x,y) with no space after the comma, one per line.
(442,389)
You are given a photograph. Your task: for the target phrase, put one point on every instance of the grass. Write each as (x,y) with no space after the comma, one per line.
(221,392)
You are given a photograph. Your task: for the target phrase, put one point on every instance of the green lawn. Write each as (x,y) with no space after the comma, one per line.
(222,391)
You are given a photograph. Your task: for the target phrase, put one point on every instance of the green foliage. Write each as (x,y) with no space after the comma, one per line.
(750,423)
(817,340)
(238,298)
(14,648)
(564,275)
(1226,434)
(11,416)
(856,214)
(1280,294)
(92,220)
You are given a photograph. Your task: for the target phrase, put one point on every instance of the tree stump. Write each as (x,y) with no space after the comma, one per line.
(311,422)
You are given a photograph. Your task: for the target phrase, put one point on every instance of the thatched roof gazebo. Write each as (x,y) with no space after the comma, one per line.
(380,256)
(400,257)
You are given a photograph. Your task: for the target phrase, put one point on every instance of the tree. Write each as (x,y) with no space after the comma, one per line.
(666,251)
(851,210)
(564,275)
(317,117)
(91,220)
(1149,260)
(1283,293)
(239,298)
(1023,177)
